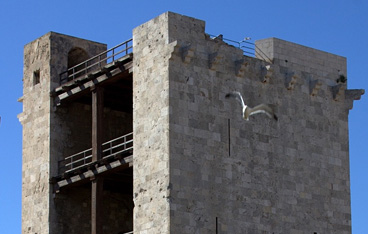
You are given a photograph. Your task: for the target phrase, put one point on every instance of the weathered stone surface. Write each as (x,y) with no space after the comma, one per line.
(198,160)
(50,134)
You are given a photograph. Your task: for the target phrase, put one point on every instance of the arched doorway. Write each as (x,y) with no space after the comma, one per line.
(76,56)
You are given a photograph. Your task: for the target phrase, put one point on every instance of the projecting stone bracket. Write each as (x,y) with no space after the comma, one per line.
(174,50)
(240,67)
(351,95)
(267,73)
(187,53)
(314,87)
(337,91)
(213,60)
(290,80)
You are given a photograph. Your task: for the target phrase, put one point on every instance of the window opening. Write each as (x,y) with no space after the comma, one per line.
(36,77)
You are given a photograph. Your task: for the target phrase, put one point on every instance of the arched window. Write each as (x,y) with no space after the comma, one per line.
(76,56)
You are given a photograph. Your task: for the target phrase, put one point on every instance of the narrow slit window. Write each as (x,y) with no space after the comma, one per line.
(36,77)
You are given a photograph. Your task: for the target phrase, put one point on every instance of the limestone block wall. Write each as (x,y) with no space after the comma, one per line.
(36,129)
(151,126)
(198,166)
(43,130)
(63,129)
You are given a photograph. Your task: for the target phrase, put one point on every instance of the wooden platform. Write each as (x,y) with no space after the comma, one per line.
(98,168)
(119,69)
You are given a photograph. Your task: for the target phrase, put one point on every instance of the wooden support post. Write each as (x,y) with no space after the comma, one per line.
(97,183)
(97,206)
(97,122)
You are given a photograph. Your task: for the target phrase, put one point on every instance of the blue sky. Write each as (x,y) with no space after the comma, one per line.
(335,26)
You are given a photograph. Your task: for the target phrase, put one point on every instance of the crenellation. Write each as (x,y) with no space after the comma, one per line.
(337,91)
(290,80)
(240,67)
(197,163)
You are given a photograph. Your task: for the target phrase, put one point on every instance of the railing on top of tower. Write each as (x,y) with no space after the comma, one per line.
(97,62)
(249,48)
(126,47)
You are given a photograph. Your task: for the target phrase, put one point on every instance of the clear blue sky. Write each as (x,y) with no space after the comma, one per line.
(335,26)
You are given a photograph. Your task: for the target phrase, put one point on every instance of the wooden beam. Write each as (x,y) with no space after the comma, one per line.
(76,91)
(97,206)
(85,177)
(97,121)
(97,183)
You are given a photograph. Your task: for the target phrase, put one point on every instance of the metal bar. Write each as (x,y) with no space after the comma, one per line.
(75,168)
(103,53)
(110,148)
(125,141)
(73,74)
(77,161)
(70,163)
(239,45)
(117,146)
(78,153)
(84,158)
(118,152)
(113,57)
(118,138)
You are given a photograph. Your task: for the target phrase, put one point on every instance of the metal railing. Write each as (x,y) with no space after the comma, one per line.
(97,62)
(249,48)
(110,149)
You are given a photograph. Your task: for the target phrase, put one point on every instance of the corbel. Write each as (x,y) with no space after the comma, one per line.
(187,53)
(351,95)
(290,80)
(240,67)
(314,87)
(213,60)
(337,91)
(268,73)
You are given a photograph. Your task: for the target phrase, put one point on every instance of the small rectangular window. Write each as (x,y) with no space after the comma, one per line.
(36,77)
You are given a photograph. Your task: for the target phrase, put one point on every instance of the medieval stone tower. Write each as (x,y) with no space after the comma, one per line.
(194,166)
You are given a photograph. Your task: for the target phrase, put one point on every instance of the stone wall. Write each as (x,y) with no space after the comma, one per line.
(43,131)
(300,58)
(198,166)
(36,130)
(196,157)
(151,126)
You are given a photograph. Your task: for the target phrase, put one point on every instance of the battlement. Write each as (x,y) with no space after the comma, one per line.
(197,165)
(213,168)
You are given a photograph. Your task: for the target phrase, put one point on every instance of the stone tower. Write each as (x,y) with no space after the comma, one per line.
(197,166)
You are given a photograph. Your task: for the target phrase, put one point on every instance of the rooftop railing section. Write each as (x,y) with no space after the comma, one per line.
(97,62)
(249,48)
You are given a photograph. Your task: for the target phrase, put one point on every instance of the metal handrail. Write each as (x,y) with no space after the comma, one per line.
(249,48)
(110,148)
(97,61)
